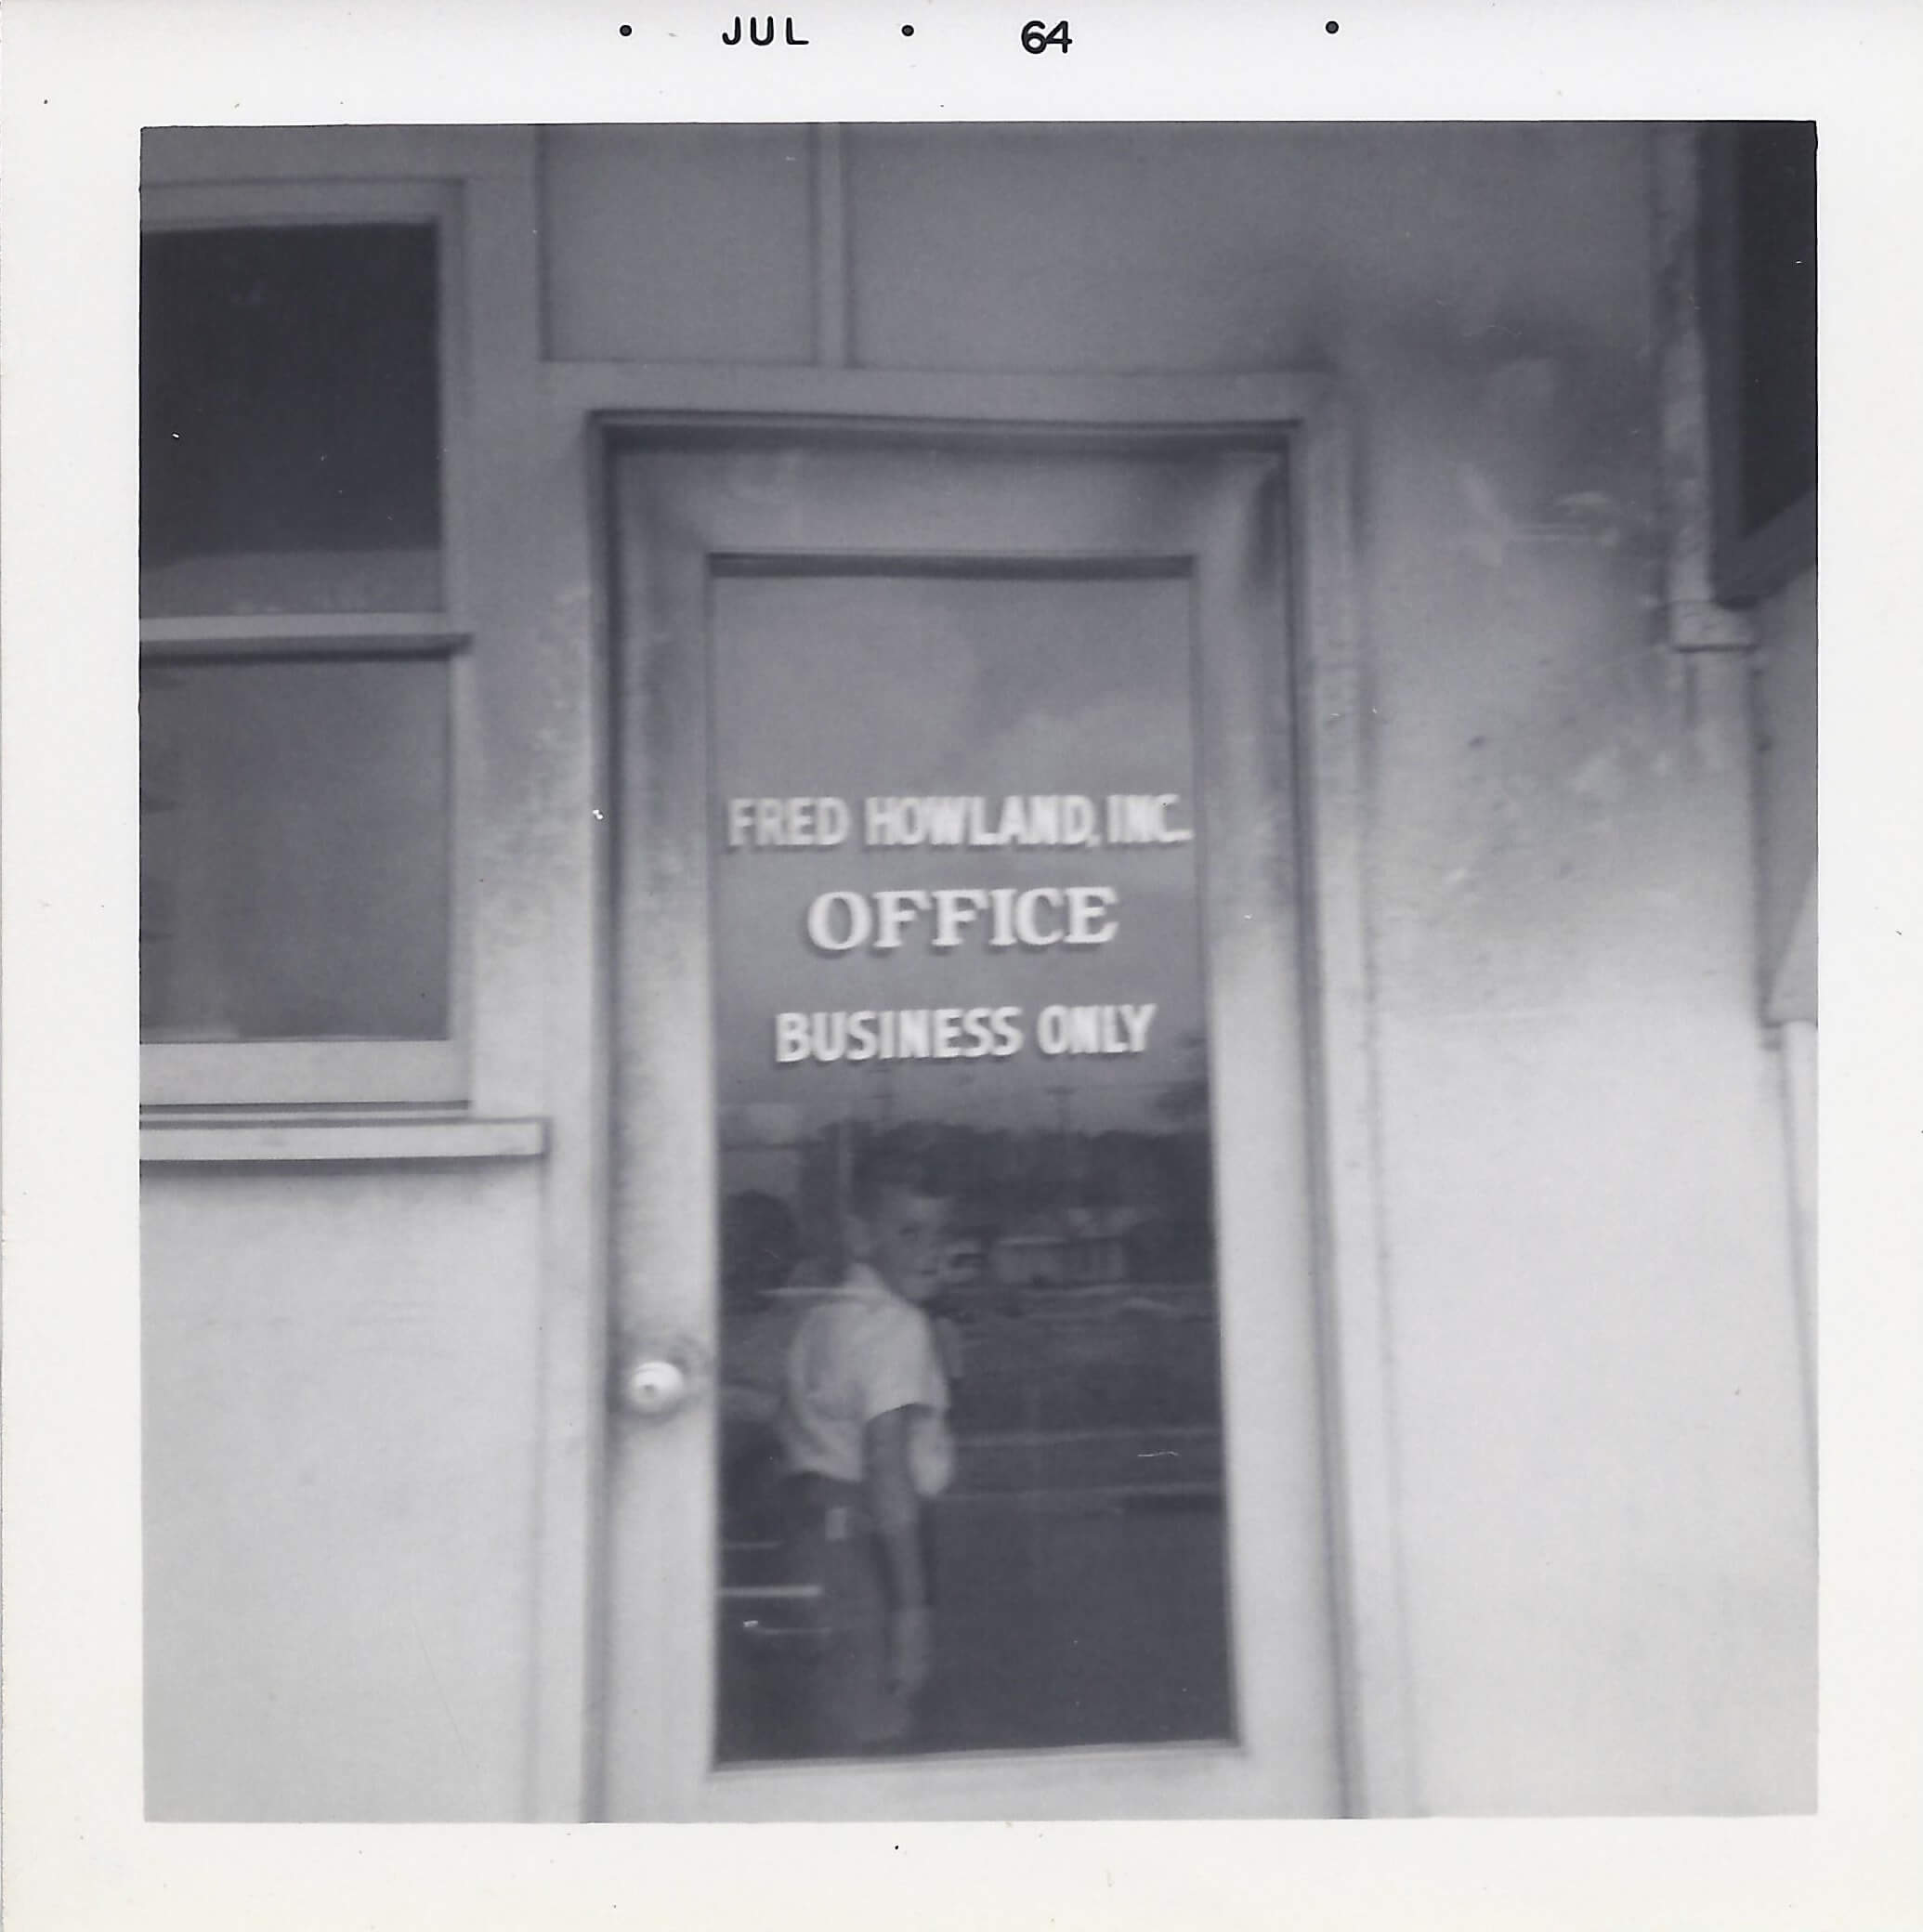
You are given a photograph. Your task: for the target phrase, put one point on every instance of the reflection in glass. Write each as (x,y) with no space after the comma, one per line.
(1074,1562)
(289,420)
(276,901)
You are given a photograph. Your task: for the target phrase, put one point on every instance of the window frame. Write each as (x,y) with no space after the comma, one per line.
(294,1072)
(1747,564)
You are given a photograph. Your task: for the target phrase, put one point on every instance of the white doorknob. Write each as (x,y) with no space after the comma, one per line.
(656,1387)
(657,1380)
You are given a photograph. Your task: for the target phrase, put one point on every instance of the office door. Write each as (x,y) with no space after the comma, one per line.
(954,835)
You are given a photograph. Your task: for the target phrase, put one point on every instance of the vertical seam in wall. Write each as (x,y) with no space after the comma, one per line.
(1750,711)
(1373,1653)
(1403,1710)
(1796,1039)
(833,336)
(1779,1039)
(1782,1040)
(1307,787)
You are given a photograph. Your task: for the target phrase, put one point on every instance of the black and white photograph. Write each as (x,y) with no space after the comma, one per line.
(977,967)
(762,795)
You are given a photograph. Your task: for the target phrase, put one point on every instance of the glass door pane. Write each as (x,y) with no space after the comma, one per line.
(966,1163)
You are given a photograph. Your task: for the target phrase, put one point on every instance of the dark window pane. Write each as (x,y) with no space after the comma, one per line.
(295,851)
(1775,225)
(1056,1096)
(289,420)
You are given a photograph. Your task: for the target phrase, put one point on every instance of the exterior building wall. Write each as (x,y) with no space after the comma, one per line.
(1785,719)
(1606,1519)
(339,1490)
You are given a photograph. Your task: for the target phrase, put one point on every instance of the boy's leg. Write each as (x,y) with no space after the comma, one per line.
(862,1710)
(849,1704)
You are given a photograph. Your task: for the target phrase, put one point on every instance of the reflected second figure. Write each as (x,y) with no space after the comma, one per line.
(863,1425)
(759,1250)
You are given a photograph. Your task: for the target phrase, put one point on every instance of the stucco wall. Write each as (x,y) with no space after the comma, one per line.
(1786,718)
(1605,1512)
(340,1454)
(1607,1522)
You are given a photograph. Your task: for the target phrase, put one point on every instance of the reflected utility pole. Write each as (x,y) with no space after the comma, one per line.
(1063,1097)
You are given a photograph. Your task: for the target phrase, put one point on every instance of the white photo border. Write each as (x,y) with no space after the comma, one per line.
(81,79)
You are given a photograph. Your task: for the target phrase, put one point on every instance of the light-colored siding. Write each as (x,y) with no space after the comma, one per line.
(1785,776)
(340,1453)
(691,246)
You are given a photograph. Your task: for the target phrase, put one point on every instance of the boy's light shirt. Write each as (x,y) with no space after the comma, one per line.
(859,1353)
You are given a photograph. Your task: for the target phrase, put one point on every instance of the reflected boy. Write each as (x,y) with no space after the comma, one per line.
(864,1428)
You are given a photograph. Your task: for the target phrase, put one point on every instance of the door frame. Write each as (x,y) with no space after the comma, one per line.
(1304,418)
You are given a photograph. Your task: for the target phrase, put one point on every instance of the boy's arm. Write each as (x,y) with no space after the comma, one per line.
(898,1514)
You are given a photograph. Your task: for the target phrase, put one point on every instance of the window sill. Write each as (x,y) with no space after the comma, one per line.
(292,1139)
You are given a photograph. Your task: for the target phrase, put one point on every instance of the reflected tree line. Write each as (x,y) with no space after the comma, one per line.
(1081,1280)
(1110,1206)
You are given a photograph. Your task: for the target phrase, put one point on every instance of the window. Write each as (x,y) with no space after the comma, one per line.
(294,868)
(300,678)
(1760,304)
(290,421)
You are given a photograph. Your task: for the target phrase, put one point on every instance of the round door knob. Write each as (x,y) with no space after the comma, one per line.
(654,1386)
(656,1376)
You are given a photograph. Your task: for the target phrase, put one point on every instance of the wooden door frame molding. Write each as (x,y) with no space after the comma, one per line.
(1304,417)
